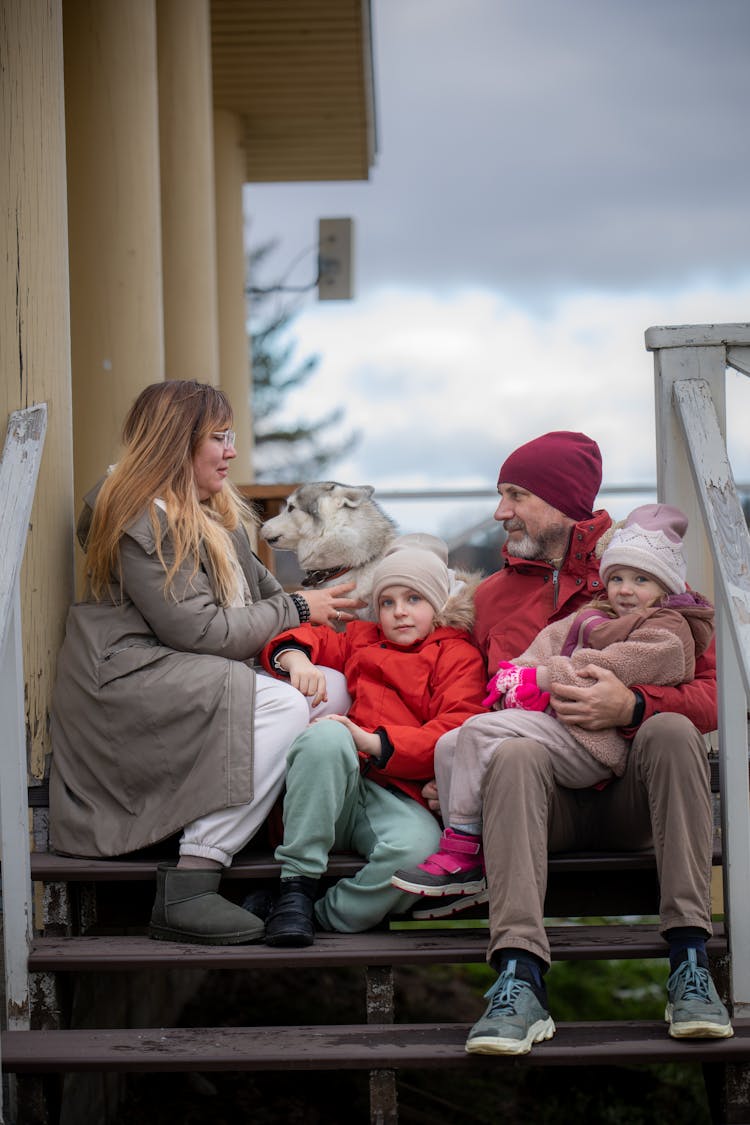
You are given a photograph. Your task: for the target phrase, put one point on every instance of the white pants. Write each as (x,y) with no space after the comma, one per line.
(281,714)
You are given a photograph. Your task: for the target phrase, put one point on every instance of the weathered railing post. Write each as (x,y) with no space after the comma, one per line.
(19,468)
(694,472)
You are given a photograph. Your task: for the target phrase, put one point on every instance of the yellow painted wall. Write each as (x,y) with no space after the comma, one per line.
(188,208)
(234,351)
(34,325)
(114,215)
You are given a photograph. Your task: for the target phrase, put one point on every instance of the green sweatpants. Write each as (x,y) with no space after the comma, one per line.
(330,806)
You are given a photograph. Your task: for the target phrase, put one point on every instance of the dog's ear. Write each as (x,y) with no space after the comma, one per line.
(352,495)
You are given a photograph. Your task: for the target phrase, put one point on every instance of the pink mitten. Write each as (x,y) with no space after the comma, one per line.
(527,697)
(508,677)
(505,677)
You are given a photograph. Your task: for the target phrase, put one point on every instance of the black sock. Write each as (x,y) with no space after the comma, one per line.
(529,967)
(682,938)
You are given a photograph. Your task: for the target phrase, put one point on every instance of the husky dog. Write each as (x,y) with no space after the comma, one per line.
(338,532)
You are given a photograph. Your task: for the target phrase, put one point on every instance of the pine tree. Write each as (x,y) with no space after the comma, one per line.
(285,452)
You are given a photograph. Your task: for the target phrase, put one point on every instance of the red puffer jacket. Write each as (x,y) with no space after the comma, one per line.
(516,603)
(414,694)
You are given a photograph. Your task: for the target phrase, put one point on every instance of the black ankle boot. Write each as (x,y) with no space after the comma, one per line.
(292,921)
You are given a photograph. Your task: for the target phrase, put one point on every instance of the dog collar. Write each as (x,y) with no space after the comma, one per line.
(314,578)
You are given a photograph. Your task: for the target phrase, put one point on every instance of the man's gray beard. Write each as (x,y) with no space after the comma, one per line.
(550,544)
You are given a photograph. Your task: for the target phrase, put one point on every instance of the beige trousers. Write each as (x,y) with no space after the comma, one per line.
(572,764)
(663,800)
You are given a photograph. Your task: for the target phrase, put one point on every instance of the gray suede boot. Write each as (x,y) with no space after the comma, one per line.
(187,908)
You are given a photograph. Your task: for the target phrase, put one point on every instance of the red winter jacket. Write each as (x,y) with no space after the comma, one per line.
(516,603)
(413,694)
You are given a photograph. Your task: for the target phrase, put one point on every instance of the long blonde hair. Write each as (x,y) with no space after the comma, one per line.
(163,428)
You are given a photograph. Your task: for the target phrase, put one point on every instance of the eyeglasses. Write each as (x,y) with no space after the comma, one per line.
(227,436)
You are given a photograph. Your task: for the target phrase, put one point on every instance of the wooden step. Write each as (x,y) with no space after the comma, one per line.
(49,867)
(585,883)
(396,948)
(350,1047)
(580,883)
(52,868)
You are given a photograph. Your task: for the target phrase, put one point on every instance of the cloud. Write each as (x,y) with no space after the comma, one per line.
(552,179)
(443,388)
(532,146)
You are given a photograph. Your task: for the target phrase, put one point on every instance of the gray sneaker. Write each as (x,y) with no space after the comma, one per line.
(694,1010)
(515,1019)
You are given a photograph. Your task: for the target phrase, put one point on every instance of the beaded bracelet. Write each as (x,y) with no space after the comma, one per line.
(302,607)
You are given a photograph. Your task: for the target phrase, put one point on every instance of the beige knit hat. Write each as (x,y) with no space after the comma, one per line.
(424,541)
(419,568)
(650,540)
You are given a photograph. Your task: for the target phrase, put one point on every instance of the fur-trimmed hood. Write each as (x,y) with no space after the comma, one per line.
(458,611)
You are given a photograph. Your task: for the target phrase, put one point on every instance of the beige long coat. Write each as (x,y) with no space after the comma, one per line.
(152,714)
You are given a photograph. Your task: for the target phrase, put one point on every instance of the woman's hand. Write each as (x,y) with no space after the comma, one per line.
(303,675)
(330,605)
(366,741)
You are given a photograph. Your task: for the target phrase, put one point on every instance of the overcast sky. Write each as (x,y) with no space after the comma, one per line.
(552,178)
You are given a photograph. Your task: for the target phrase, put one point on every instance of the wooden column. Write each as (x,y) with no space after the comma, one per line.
(234,345)
(35,329)
(188,210)
(114,211)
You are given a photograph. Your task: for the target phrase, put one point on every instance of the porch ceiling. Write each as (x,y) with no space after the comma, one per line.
(299,75)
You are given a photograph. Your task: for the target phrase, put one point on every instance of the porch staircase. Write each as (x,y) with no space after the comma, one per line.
(92,915)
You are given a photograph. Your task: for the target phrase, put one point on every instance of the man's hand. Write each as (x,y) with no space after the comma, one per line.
(607,703)
(430,794)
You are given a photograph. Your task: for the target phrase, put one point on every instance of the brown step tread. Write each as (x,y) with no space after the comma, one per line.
(51,867)
(397,947)
(350,1047)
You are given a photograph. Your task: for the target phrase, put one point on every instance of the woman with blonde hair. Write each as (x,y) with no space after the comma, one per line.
(161,722)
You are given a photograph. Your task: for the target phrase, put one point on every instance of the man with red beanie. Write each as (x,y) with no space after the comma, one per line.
(547,490)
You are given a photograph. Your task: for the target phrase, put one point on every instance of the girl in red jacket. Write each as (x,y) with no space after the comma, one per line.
(354,781)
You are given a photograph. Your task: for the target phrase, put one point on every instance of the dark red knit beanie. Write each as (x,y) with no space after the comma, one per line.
(563,468)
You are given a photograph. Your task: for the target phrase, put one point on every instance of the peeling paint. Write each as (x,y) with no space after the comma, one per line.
(18,1012)
(56,905)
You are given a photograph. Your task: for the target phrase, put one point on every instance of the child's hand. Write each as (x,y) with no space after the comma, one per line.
(527,697)
(507,676)
(303,675)
(366,741)
(517,687)
(431,796)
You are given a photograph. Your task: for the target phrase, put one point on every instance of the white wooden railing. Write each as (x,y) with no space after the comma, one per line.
(19,468)
(693,471)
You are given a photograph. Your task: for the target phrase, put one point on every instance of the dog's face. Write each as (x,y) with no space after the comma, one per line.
(285,531)
(330,525)
(326,523)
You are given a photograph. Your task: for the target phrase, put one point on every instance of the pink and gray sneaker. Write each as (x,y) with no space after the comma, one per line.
(456,868)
